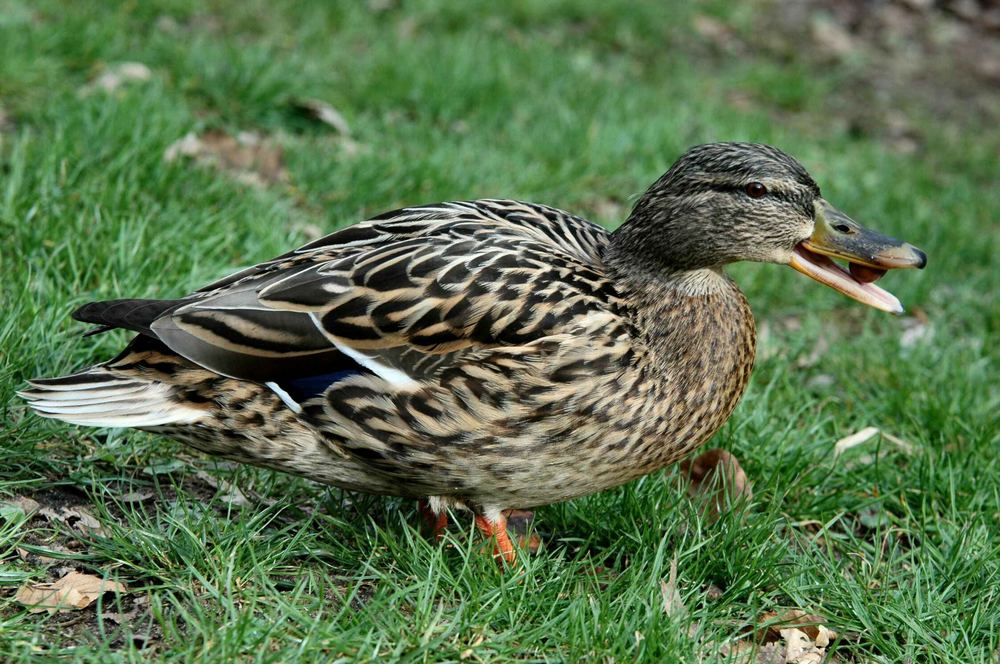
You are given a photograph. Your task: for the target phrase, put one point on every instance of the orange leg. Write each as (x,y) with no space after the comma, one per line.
(436,521)
(503,548)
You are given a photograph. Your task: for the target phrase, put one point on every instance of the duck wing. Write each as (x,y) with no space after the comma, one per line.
(403,296)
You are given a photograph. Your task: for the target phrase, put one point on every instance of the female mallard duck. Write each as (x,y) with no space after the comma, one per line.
(489,354)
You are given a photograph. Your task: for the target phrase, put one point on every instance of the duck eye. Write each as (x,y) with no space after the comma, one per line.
(755,190)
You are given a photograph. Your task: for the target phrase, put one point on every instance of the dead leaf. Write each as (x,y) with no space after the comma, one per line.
(867,434)
(325,113)
(19,505)
(673,606)
(717,479)
(793,637)
(247,157)
(799,648)
(854,440)
(744,652)
(824,636)
(773,623)
(117,75)
(37,558)
(135,496)
(77,517)
(73,591)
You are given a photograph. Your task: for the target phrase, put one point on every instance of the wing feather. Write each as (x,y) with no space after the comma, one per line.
(404,294)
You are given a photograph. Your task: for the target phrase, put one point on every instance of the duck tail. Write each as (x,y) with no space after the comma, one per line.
(99,397)
(129,314)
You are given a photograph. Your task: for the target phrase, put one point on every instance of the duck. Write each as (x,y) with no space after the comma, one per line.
(485,355)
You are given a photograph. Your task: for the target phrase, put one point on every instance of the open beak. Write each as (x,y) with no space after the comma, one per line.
(868,254)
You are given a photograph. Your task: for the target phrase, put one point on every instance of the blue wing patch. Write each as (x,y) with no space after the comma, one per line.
(308,387)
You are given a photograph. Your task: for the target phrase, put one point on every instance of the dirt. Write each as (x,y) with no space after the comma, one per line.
(899,64)
(940,56)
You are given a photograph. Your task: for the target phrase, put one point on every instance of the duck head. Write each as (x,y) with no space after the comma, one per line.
(727,202)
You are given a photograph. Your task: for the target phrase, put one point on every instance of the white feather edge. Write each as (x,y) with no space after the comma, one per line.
(100,405)
(292,404)
(393,376)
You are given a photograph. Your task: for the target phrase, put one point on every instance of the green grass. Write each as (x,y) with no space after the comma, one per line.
(579,105)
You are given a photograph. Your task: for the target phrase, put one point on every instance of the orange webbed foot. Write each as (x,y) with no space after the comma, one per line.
(496,528)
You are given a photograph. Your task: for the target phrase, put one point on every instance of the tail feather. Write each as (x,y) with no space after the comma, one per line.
(98,397)
(131,314)
(86,396)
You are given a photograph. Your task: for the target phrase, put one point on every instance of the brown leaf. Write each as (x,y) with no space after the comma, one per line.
(248,157)
(21,504)
(772,623)
(792,637)
(73,591)
(717,479)
(75,516)
(325,113)
(799,648)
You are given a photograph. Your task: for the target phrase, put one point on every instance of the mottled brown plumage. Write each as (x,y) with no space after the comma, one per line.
(489,354)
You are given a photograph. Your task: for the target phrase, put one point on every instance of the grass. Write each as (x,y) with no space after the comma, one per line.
(579,105)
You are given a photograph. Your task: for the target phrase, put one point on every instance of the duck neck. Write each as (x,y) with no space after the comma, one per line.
(655,281)
(678,312)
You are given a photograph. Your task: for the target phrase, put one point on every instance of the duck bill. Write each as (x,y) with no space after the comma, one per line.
(868,253)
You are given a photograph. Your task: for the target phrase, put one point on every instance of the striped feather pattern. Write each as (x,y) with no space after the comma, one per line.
(491,353)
